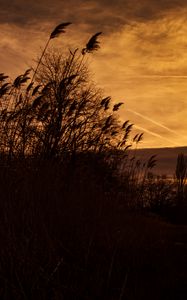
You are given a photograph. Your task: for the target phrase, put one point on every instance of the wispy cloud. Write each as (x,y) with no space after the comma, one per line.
(156,123)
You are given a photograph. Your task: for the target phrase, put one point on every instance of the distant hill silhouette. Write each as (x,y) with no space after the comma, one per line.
(166,158)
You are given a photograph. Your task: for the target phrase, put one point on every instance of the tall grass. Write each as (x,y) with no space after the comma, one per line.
(71,192)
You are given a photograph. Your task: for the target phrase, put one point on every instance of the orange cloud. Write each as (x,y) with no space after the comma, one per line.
(147,66)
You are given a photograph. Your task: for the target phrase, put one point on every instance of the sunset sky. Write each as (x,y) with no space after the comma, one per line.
(142,60)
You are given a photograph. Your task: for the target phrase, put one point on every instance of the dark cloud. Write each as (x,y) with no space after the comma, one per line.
(148,10)
(166,159)
(22,13)
(104,13)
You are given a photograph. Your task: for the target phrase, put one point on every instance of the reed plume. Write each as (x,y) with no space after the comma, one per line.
(55,33)
(92,45)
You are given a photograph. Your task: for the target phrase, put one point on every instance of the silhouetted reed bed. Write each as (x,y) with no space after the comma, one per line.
(80,216)
(67,232)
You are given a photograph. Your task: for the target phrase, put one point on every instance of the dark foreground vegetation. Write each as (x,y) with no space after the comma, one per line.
(80,216)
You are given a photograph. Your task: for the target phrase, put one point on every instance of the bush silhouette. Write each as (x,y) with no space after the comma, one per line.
(60,112)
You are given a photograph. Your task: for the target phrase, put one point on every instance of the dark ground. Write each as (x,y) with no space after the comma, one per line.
(68,236)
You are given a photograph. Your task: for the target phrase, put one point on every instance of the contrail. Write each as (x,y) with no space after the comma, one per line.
(157,76)
(157,135)
(155,122)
